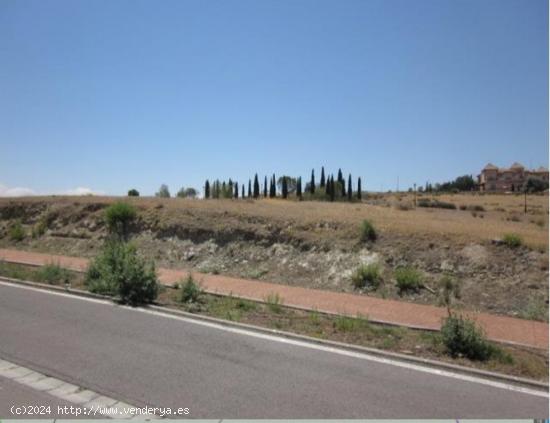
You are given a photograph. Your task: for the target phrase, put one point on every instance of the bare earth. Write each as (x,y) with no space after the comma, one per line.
(316,244)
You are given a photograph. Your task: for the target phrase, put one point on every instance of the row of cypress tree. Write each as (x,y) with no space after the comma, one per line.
(327,189)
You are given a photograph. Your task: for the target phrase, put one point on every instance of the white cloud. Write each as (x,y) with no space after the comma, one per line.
(22,192)
(81,191)
(15,191)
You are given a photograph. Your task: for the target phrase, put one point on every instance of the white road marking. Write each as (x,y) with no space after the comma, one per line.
(304,344)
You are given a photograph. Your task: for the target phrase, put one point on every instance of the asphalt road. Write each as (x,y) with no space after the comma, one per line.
(146,359)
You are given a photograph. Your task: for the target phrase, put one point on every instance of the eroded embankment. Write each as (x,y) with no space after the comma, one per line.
(289,249)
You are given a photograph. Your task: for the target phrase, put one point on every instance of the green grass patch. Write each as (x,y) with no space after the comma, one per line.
(512,240)
(16,232)
(274,302)
(408,279)
(368,233)
(367,276)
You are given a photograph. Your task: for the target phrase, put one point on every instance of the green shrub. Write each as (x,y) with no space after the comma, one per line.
(16,231)
(118,270)
(368,233)
(118,217)
(449,289)
(367,276)
(462,337)
(39,228)
(53,274)
(408,279)
(274,302)
(191,292)
(424,202)
(512,240)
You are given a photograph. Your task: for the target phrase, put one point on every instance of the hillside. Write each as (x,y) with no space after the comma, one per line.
(316,244)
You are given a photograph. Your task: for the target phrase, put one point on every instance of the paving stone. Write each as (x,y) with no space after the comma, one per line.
(82,397)
(15,372)
(47,384)
(64,390)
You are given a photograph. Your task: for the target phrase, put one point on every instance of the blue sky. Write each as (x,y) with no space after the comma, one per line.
(109,95)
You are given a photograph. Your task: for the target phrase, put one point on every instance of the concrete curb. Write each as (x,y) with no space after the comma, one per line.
(307,309)
(513,380)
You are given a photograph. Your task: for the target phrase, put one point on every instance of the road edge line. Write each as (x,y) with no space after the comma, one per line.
(434,364)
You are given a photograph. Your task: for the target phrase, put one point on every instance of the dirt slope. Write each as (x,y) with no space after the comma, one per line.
(314,244)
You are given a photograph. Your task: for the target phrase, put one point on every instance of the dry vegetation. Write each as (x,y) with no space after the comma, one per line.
(317,244)
(513,360)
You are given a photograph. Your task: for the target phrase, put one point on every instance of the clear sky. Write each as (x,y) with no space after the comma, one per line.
(113,94)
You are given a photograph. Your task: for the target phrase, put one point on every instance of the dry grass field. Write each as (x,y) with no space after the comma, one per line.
(317,244)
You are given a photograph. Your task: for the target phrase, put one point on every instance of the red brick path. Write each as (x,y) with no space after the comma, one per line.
(498,328)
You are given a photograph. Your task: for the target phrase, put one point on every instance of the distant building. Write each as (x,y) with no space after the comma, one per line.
(494,179)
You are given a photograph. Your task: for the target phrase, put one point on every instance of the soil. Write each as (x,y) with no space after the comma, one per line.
(291,249)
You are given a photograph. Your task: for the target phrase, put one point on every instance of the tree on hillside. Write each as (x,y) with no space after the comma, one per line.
(322,182)
(534,184)
(312,182)
(163,192)
(290,183)
(256,186)
(187,193)
(340,177)
(332,188)
(350,191)
(359,188)
(249,188)
(284,188)
(207,189)
(343,187)
(133,193)
(265,186)
(242,191)
(236,191)
(272,188)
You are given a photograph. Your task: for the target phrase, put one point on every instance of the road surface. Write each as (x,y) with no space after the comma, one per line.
(149,359)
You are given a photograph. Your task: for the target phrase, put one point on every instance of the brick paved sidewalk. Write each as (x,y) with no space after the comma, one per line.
(498,328)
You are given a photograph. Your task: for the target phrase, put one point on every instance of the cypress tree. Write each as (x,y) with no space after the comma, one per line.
(249,188)
(272,188)
(217,189)
(312,182)
(236,193)
(242,191)
(322,183)
(350,191)
(265,186)
(284,188)
(207,189)
(299,188)
(343,187)
(327,187)
(256,186)
(359,188)
(340,177)
(332,188)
